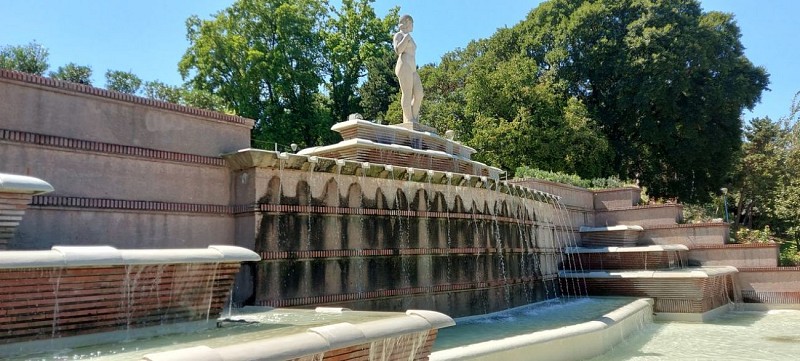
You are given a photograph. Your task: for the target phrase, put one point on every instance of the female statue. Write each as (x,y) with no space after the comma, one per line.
(406,70)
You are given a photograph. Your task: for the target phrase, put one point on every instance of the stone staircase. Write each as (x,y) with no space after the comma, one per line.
(646,251)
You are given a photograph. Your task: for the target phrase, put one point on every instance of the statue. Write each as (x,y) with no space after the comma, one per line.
(406,70)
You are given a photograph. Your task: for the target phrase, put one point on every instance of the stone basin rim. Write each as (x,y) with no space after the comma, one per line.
(88,256)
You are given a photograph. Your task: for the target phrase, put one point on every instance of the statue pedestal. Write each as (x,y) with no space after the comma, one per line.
(415,126)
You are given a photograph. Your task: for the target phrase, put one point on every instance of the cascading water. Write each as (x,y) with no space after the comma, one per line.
(576,261)
(498,238)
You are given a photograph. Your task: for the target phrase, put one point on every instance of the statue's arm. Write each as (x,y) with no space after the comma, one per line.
(400,42)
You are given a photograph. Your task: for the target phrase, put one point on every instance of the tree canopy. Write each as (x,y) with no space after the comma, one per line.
(81,74)
(29,58)
(646,90)
(270,61)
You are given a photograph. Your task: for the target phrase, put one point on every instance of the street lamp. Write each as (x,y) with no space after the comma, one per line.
(725,202)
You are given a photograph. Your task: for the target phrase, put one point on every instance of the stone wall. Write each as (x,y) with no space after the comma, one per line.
(127,171)
(369,239)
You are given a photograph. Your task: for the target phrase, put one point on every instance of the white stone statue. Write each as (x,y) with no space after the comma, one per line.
(406,70)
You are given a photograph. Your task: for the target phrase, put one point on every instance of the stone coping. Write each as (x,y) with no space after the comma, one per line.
(12,183)
(315,340)
(623,189)
(769,269)
(585,229)
(653,248)
(259,158)
(693,272)
(550,344)
(88,256)
(734,246)
(685,225)
(129,98)
(637,208)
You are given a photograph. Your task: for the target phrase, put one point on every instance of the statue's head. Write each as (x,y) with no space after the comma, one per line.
(406,23)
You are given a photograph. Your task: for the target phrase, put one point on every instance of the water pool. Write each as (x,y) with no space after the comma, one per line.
(736,335)
(526,319)
(249,324)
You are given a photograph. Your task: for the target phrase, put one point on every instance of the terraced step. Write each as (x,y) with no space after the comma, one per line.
(690,235)
(627,258)
(610,236)
(651,215)
(737,255)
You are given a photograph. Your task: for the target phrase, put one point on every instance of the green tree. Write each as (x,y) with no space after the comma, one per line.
(760,172)
(662,82)
(263,58)
(381,86)
(123,81)
(81,74)
(184,95)
(354,38)
(666,82)
(161,91)
(29,58)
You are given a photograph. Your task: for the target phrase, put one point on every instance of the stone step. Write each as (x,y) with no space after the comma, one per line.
(627,258)
(616,198)
(690,235)
(736,255)
(651,215)
(610,236)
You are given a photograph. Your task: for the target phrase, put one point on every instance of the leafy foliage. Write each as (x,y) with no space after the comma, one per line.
(649,90)
(123,81)
(355,39)
(30,58)
(81,74)
(571,179)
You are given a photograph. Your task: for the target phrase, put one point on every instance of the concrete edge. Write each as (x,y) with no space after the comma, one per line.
(496,347)
(77,256)
(694,317)
(12,183)
(314,341)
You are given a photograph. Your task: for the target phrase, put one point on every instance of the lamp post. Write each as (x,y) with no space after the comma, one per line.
(725,202)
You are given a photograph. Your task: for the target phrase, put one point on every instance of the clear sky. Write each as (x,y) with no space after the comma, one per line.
(148,37)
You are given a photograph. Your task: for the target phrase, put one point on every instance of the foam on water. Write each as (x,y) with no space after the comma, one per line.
(738,335)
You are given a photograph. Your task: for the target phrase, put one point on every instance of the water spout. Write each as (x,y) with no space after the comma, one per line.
(283,156)
(313,159)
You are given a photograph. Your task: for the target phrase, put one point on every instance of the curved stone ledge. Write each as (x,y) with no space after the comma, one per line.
(315,340)
(593,337)
(259,158)
(12,183)
(653,248)
(76,256)
(694,272)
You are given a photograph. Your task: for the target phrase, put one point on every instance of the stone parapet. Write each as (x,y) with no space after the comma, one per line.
(774,285)
(48,106)
(691,235)
(616,198)
(645,216)
(737,255)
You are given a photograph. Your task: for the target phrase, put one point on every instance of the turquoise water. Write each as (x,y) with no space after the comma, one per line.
(738,335)
(250,324)
(526,319)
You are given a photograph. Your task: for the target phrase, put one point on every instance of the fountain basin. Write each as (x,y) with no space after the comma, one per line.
(688,294)
(391,336)
(594,337)
(56,298)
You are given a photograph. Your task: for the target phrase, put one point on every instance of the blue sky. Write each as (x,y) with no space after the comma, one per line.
(148,37)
